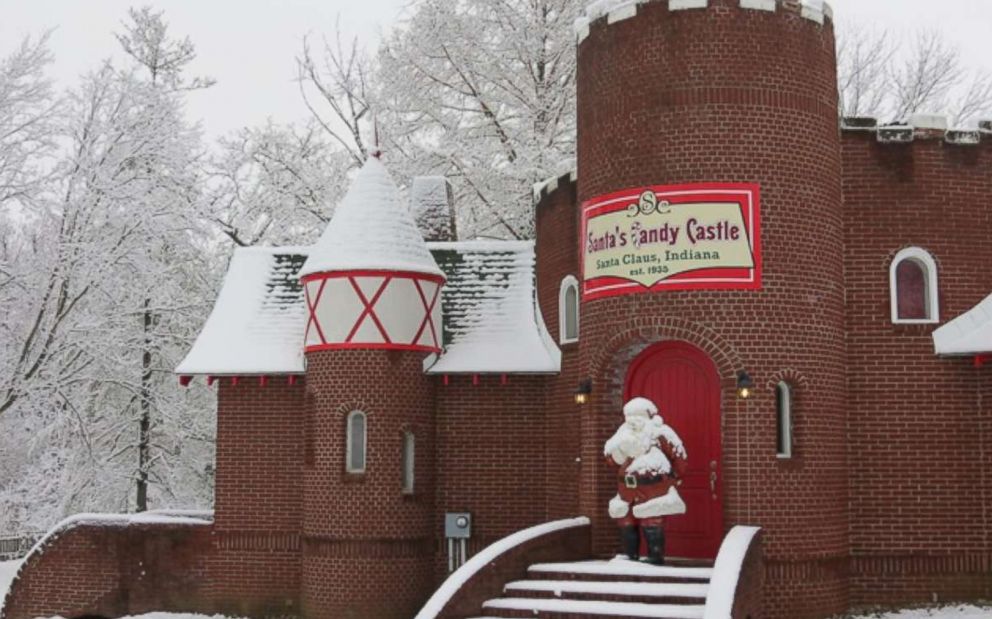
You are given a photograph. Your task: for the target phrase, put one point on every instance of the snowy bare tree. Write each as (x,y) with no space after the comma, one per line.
(484,93)
(882,76)
(336,89)
(109,284)
(276,184)
(27,107)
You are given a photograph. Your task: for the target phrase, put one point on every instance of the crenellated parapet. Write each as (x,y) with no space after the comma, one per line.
(919,127)
(613,11)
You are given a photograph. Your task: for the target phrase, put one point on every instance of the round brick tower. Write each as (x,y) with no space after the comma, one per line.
(372,289)
(681,92)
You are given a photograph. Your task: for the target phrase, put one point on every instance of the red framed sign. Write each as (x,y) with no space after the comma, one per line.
(672,237)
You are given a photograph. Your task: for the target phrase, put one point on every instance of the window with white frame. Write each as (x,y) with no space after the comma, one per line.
(357,442)
(913,287)
(568,311)
(409,462)
(783,419)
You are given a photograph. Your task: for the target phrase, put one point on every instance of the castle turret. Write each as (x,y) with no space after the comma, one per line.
(373,293)
(688,110)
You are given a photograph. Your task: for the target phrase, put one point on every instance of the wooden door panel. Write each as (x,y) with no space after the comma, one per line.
(683,382)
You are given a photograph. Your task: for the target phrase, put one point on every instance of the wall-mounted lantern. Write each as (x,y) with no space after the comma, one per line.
(583,392)
(745,386)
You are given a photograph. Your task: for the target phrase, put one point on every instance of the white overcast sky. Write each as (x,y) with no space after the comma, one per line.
(249,46)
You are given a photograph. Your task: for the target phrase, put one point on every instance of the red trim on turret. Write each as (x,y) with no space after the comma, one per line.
(312,308)
(437,279)
(372,346)
(185,380)
(210,380)
(430,313)
(369,311)
(263,380)
(981,360)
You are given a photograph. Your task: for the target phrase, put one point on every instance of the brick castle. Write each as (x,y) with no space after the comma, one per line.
(374,383)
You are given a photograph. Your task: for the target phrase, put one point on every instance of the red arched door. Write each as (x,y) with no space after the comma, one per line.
(683,382)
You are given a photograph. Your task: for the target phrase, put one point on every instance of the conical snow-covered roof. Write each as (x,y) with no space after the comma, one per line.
(372,229)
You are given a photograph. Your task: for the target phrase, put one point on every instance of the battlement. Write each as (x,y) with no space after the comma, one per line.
(919,127)
(614,11)
(546,187)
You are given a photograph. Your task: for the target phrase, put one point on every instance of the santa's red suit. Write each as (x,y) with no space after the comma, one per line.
(649,460)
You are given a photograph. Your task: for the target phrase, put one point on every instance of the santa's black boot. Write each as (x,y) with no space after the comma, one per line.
(631,540)
(655,537)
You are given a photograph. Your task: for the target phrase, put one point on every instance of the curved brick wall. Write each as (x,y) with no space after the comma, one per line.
(367,548)
(725,94)
(113,570)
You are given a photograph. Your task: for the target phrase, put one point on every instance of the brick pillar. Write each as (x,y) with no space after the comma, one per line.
(368,548)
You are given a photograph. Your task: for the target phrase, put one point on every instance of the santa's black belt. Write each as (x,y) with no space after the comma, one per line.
(633,481)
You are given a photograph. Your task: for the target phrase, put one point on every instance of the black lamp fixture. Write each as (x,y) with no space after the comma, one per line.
(745,386)
(584,391)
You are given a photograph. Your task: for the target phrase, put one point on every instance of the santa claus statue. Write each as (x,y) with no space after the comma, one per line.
(649,460)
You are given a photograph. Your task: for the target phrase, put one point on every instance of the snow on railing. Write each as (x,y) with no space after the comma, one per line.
(727,572)
(491,553)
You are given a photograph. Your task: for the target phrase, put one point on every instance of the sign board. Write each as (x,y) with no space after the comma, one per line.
(672,237)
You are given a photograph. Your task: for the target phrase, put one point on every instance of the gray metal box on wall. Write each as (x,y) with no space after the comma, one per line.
(458,525)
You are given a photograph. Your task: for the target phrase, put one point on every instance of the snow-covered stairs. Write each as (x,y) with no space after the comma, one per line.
(597,589)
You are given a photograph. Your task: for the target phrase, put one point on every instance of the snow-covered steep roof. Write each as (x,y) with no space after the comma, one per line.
(372,228)
(968,334)
(259,318)
(491,320)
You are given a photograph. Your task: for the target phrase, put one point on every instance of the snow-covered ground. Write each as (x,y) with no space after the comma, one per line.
(946,612)
(7,571)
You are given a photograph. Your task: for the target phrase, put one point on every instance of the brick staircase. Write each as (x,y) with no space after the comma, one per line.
(596,589)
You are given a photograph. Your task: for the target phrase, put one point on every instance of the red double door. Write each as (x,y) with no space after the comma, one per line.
(683,382)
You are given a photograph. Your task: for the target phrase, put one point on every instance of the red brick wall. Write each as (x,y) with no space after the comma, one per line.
(557,257)
(732,95)
(259,496)
(919,508)
(491,456)
(368,549)
(113,571)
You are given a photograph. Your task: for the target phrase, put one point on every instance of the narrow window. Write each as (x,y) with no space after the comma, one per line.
(409,443)
(783,410)
(913,282)
(357,442)
(568,311)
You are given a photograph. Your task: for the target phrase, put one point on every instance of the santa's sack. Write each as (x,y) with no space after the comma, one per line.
(670,504)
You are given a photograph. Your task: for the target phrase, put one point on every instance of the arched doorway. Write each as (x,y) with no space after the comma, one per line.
(683,382)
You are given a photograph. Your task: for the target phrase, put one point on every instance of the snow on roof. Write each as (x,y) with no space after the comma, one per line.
(258,322)
(372,228)
(491,320)
(492,323)
(968,334)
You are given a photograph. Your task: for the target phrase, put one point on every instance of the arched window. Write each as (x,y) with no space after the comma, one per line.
(357,442)
(568,311)
(409,462)
(783,419)
(913,287)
